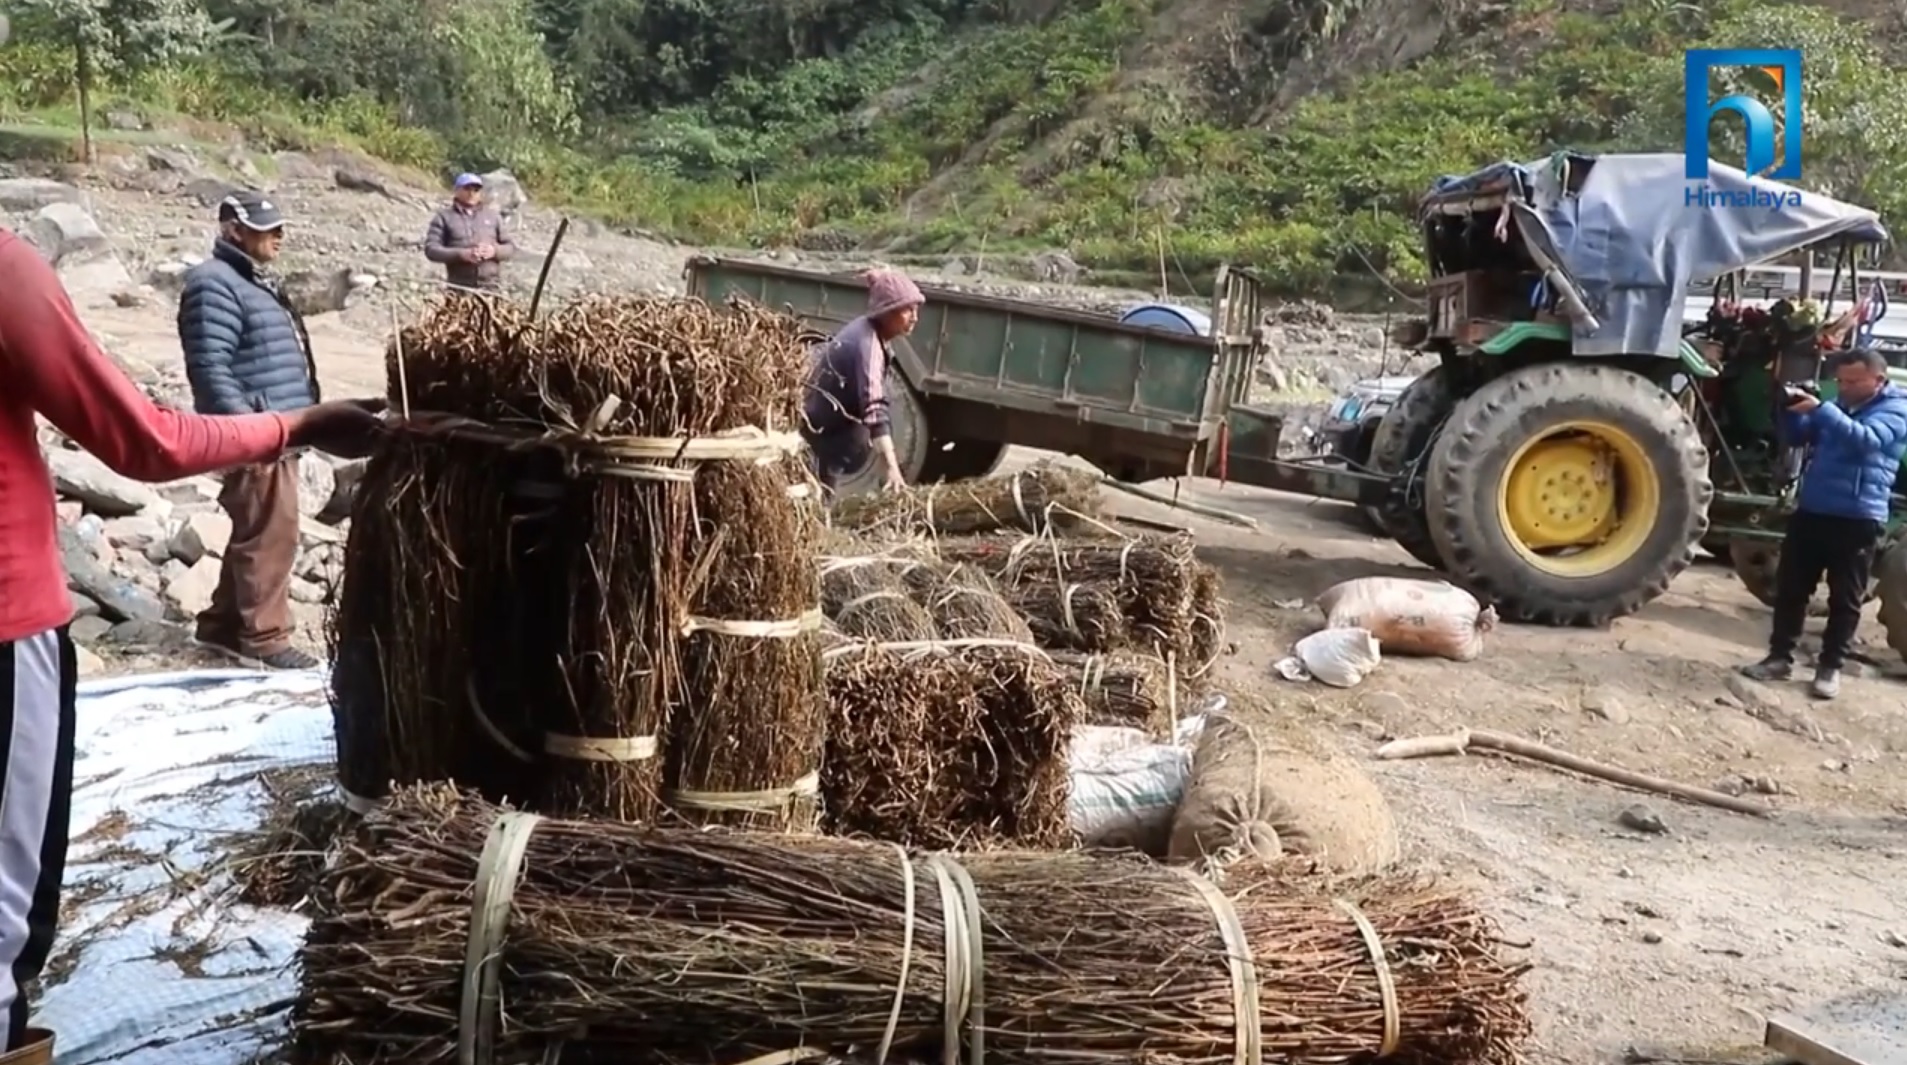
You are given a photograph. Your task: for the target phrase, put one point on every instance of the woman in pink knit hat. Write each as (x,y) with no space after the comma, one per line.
(846,405)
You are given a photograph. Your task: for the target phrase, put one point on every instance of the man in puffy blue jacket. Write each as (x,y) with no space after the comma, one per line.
(1854,450)
(246,351)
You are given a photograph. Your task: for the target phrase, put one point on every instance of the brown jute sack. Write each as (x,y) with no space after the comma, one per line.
(1250,797)
(1410,617)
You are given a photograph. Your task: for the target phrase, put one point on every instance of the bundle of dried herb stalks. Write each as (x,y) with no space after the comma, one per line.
(948,747)
(695,946)
(865,598)
(1156,580)
(1130,690)
(1032,500)
(580,548)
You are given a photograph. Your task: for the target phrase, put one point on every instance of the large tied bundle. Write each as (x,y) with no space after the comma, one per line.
(1168,600)
(1041,497)
(1130,690)
(946,745)
(582,574)
(706,947)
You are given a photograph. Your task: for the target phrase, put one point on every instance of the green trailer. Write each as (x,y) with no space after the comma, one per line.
(980,373)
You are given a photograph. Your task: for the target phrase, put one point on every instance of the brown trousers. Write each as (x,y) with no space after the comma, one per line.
(251,608)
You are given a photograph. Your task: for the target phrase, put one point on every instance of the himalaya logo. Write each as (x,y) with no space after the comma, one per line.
(1739,199)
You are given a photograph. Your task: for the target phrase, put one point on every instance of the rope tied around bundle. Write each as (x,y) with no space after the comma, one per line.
(586,450)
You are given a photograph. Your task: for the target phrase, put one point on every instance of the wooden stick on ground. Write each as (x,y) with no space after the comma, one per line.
(1463,740)
(1214,513)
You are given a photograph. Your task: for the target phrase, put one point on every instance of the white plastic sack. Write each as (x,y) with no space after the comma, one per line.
(1125,794)
(1338,657)
(1411,617)
(1093,744)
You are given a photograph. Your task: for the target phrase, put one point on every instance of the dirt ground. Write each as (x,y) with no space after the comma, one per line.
(1678,943)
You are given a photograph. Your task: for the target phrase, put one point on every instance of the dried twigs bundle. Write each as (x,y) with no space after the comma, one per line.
(865,598)
(1033,500)
(964,602)
(729,761)
(547,556)
(279,865)
(948,745)
(1154,577)
(1130,690)
(1073,617)
(697,946)
(1208,618)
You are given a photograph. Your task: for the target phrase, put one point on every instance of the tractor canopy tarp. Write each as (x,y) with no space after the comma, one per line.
(1638,232)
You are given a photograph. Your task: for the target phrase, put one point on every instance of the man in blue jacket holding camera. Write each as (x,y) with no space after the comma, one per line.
(1854,450)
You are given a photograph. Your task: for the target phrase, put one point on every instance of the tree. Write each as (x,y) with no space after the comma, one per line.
(111,36)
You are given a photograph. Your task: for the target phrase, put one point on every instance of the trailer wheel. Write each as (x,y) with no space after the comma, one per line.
(907,422)
(1890,587)
(1402,436)
(1568,493)
(961,458)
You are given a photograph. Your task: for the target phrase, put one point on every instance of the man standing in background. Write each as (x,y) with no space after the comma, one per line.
(1855,444)
(469,238)
(246,352)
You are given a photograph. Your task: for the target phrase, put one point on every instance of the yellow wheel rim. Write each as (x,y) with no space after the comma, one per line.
(1579,500)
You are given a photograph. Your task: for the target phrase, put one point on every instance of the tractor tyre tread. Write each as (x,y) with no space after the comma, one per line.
(1402,434)
(1482,435)
(1890,587)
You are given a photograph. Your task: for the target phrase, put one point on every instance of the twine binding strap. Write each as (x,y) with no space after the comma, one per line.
(620,456)
(499,870)
(358,804)
(918,647)
(782,629)
(766,800)
(1247,1042)
(600,748)
(1386,984)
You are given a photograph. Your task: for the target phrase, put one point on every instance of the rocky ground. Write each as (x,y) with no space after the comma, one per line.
(1658,931)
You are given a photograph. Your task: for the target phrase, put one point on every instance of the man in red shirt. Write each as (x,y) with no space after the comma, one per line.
(50,367)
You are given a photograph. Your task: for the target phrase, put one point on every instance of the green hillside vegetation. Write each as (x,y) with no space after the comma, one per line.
(940,126)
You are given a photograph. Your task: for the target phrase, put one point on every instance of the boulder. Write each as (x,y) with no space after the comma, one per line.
(312,292)
(31,194)
(200,534)
(191,591)
(504,192)
(118,599)
(135,532)
(66,233)
(78,475)
(316,483)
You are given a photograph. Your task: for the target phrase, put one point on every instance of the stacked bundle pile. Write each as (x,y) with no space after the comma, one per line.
(680,946)
(939,747)
(1126,690)
(582,575)
(1042,497)
(1166,600)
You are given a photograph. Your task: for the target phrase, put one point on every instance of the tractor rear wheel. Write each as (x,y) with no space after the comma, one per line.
(1568,493)
(1890,587)
(1402,437)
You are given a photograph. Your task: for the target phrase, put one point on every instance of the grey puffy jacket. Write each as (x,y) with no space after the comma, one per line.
(245,349)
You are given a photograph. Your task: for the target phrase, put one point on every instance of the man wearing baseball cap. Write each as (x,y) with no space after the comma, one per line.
(246,351)
(469,238)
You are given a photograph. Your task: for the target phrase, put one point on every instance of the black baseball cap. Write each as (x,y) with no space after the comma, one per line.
(251,210)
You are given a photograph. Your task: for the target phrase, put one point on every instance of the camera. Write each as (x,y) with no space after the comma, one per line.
(1796,391)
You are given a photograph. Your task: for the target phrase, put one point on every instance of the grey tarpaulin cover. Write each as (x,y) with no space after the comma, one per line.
(1633,241)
